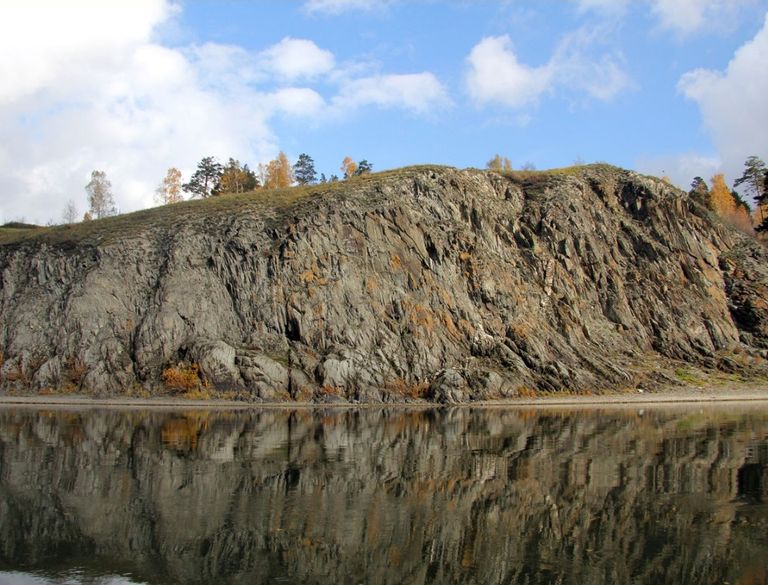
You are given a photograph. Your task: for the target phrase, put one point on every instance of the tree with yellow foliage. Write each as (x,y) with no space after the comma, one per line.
(279,173)
(497,163)
(169,190)
(348,167)
(725,205)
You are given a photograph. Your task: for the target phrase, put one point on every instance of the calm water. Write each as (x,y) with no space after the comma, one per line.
(372,496)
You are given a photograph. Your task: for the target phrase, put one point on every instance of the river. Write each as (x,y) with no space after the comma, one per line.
(384,496)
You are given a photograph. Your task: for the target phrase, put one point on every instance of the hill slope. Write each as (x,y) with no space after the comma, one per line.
(428,281)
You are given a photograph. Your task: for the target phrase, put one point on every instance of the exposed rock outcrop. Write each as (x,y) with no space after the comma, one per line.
(422,283)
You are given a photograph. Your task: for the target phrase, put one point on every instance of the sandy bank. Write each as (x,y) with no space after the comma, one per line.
(744,394)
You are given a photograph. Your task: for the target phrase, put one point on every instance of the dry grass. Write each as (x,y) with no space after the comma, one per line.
(183,378)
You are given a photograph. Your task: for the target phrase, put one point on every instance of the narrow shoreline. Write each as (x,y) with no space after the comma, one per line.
(665,398)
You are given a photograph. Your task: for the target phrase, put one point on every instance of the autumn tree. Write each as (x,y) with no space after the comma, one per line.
(348,167)
(169,190)
(236,178)
(499,163)
(279,173)
(725,205)
(304,170)
(70,213)
(100,198)
(363,168)
(204,180)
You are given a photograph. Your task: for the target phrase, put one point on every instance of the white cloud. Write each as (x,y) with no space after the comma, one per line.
(497,76)
(680,16)
(418,92)
(301,102)
(733,103)
(294,59)
(87,87)
(40,38)
(606,6)
(688,16)
(338,6)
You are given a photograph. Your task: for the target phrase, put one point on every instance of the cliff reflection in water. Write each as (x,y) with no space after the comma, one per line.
(376,496)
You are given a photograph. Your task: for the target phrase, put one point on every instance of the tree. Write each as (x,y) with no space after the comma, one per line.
(169,190)
(348,167)
(236,179)
(100,198)
(333,179)
(205,178)
(700,192)
(363,167)
(304,170)
(753,178)
(70,213)
(279,173)
(726,206)
(322,178)
(529,166)
(497,163)
(754,181)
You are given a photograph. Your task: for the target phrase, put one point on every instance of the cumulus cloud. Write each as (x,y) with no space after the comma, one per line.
(496,75)
(89,87)
(294,59)
(733,102)
(687,16)
(680,16)
(418,92)
(338,6)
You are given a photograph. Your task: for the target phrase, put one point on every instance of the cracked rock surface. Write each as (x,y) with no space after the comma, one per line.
(426,282)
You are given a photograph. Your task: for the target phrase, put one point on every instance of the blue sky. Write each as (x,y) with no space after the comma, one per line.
(675,87)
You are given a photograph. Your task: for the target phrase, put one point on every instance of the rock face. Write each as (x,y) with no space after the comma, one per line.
(420,283)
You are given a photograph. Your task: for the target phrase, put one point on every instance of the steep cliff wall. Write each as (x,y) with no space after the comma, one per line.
(433,282)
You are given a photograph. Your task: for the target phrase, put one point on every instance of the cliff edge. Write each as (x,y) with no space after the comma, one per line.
(425,282)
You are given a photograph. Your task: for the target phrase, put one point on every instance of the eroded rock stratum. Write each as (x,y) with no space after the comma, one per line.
(432,282)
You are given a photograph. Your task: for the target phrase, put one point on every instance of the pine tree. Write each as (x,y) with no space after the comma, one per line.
(304,170)
(205,178)
(700,191)
(100,198)
(363,167)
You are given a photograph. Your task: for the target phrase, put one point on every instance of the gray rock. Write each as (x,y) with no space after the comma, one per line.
(378,287)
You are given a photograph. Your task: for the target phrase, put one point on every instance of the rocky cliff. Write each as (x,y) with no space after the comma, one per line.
(423,282)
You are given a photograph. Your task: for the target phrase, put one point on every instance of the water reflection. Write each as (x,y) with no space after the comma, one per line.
(377,496)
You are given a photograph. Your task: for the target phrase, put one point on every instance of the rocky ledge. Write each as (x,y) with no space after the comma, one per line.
(423,283)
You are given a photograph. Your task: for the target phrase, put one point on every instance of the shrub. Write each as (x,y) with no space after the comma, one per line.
(182,378)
